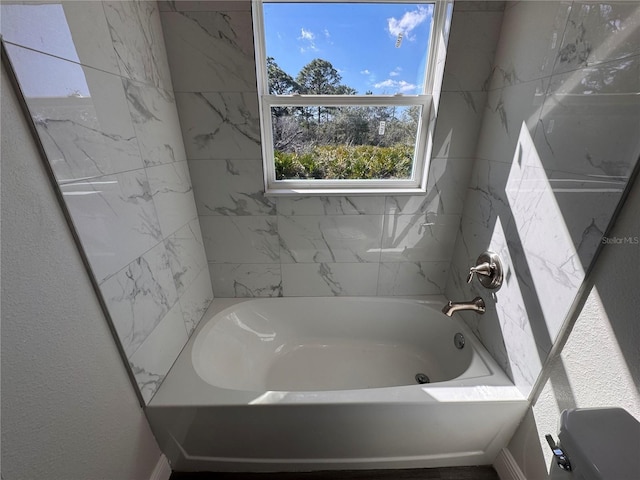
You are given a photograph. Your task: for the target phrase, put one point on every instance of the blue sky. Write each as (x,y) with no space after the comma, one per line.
(358,39)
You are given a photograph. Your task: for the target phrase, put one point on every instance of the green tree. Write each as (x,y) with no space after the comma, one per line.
(280,82)
(319,77)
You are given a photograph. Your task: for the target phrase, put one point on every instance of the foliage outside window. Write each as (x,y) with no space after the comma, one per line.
(343,107)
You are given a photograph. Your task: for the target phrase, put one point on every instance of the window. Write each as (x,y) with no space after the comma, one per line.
(345,94)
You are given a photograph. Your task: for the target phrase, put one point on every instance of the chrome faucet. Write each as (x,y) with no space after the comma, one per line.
(476,305)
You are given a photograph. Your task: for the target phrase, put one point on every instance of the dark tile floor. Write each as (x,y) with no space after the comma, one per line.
(453,473)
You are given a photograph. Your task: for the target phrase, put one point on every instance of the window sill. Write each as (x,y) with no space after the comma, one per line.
(342,192)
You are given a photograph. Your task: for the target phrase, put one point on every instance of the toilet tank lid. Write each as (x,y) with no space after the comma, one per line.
(602,441)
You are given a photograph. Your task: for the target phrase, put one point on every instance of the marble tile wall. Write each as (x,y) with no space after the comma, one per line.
(316,246)
(559,140)
(96,79)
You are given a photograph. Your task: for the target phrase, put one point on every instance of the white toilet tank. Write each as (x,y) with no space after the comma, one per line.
(601,443)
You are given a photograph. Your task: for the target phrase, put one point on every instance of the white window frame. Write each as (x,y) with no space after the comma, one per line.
(418,181)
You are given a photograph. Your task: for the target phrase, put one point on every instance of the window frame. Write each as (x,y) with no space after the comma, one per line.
(418,181)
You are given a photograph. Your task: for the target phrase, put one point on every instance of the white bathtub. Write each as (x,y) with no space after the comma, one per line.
(300,384)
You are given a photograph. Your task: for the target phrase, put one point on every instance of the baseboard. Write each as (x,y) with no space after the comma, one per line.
(507,467)
(162,470)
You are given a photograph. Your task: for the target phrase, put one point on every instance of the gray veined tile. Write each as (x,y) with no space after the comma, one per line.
(538,26)
(196,299)
(246,280)
(115,219)
(412,278)
(210,51)
(139,296)
(186,255)
(137,38)
(80,113)
(247,239)
(220,126)
(172,194)
(230,187)
(329,279)
(604,142)
(416,238)
(291,206)
(599,32)
(511,114)
(155,120)
(479,6)
(330,238)
(152,361)
(458,124)
(75,31)
(207,6)
(470,57)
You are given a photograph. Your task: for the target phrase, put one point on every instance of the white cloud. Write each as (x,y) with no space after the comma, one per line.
(395,72)
(408,22)
(326,33)
(308,38)
(365,72)
(397,85)
(306,35)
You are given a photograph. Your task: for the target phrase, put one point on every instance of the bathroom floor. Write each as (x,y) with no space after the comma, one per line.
(453,473)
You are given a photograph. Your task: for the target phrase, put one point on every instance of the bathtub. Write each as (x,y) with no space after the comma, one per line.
(303,384)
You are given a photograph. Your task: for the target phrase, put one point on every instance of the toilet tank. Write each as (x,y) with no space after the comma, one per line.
(601,443)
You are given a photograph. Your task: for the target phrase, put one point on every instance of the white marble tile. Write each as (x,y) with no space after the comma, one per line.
(155,120)
(75,31)
(512,345)
(220,126)
(204,6)
(548,290)
(139,296)
(506,111)
(458,124)
(186,255)
(470,57)
(413,278)
(587,204)
(479,5)
(210,51)
(605,140)
(246,280)
(230,187)
(115,218)
(563,217)
(80,113)
(446,190)
(172,195)
(196,299)
(416,238)
(599,32)
(241,239)
(473,239)
(330,238)
(152,361)
(329,279)
(137,38)
(537,28)
(291,206)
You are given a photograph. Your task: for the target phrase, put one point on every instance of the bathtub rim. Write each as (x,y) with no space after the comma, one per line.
(182,386)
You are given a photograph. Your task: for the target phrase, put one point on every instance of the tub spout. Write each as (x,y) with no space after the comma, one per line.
(476,305)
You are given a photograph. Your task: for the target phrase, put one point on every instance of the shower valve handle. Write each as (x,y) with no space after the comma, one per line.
(487,269)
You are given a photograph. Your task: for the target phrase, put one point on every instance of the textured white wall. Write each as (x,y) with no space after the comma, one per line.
(68,408)
(599,365)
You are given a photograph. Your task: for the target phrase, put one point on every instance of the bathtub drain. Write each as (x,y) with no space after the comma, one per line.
(422,378)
